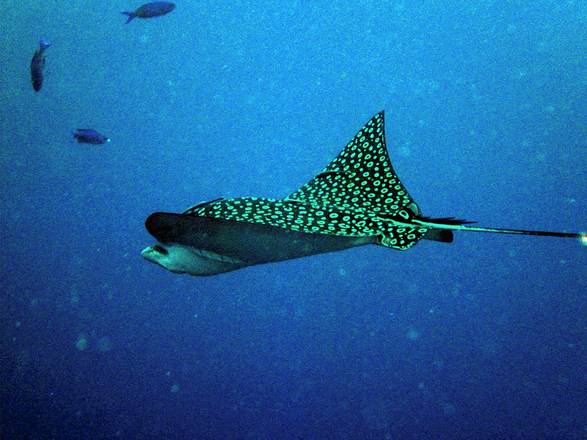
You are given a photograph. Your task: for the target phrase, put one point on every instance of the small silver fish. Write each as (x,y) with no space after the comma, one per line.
(38,64)
(89,136)
(150,10)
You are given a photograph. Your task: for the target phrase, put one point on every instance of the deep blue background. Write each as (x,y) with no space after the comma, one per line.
(486,120)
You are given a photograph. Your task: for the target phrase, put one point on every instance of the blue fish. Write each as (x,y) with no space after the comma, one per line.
(38,64)
(150,10)
(89,136)
(358,199)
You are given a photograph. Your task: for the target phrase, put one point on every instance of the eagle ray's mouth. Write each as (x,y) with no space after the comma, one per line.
(160,249)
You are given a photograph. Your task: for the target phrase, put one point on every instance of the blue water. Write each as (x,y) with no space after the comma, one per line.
(486,120)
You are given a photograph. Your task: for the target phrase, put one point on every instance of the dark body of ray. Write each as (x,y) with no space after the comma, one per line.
(357,199)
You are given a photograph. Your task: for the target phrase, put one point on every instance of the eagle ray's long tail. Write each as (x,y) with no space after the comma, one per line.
(457,225)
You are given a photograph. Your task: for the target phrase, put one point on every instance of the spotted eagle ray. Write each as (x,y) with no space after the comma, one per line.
(357,199)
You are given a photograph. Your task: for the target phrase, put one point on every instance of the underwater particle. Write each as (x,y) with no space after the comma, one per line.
(17,324)
(104,344)
(412,334)
(400,7)
(405,150)
(174,388)
(74,298)
(456,290)
(522,72)
(82,342)
(342,271)
(438,364)
(375,415)
(448,409)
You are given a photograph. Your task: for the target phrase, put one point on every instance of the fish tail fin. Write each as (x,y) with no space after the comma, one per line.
(131,16)
(44,44)
(452,224)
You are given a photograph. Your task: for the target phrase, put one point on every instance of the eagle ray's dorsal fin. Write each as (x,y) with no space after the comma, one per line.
(360,177)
